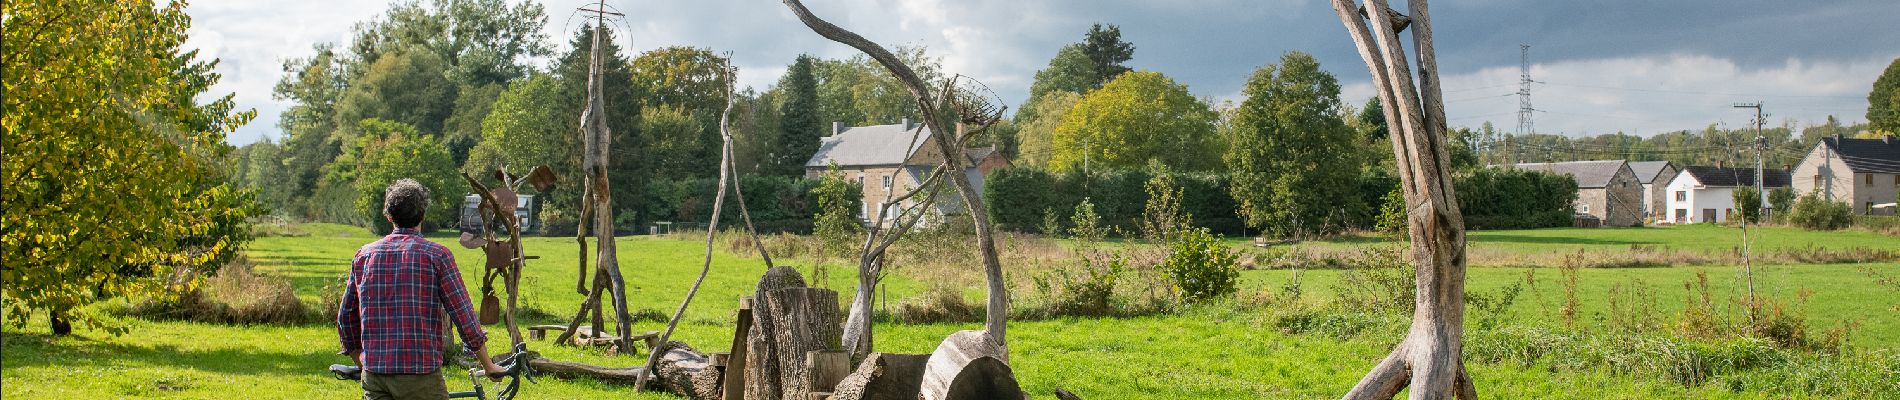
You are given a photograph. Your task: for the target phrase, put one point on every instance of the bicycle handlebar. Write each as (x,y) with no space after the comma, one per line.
(519,364)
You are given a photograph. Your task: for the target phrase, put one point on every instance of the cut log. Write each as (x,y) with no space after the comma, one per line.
(761,378)
(825,368)
(804,320)
(969,365)
(884,376)
(682,371)
(686,372)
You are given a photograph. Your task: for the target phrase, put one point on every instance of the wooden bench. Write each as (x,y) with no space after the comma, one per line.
(540,332)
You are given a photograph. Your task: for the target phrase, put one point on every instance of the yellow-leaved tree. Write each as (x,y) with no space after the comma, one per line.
(114,176)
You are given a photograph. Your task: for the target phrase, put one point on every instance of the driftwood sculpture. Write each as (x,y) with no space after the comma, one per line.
(505,258)
(1429,359)
(597,209)
(857,336)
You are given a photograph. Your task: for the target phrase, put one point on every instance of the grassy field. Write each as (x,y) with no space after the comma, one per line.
(1696,244)
(1216,351)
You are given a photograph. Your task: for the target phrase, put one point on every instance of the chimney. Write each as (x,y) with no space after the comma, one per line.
(837,127)
(905,123)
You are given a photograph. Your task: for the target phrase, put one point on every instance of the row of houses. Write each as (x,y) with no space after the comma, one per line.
(1864,173)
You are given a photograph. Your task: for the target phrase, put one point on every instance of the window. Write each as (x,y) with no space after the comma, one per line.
(1870,179)
(1583,207)
(1896,180)
(1682,195)
(887,181)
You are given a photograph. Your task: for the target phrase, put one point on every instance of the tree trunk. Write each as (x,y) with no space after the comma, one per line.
(803,320)
(1428,360)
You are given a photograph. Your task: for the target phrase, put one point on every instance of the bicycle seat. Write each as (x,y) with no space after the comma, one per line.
(346,372)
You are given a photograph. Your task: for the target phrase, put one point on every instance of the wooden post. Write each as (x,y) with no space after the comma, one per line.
(734,379)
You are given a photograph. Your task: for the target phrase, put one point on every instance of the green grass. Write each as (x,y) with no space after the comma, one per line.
(1209,352)
(1693,237)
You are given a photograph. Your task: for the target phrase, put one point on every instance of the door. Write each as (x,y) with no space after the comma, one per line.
(1682,215)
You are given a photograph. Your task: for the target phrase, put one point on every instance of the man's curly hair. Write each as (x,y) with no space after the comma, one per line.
(404,202)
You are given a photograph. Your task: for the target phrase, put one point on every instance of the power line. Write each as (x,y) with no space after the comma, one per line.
(1700,92)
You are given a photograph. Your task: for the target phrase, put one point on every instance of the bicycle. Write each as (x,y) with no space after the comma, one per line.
(518,364)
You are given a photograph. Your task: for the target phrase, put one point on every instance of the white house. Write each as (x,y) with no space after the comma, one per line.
(1707,194)
(1863,173)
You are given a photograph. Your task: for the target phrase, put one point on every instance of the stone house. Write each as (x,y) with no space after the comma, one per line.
(1606,189)
(885,163)
(1707,194)
(1655,176)
(1859,172)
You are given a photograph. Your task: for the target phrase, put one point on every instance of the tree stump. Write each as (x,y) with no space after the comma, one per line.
(884,376)
(761,365)
(802,320)
(969,365)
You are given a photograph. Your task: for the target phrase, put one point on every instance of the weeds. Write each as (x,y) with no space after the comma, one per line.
(236,295)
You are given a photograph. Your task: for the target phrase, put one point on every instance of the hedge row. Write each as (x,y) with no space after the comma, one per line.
(1018,198)
(1497,198)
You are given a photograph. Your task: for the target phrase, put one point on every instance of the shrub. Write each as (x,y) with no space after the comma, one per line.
(1392,212)
(1815,213)
(1089,292)
(1378,280)
(835,220)
(236,295)
(1201,267)
(1500,198)
(1748,198)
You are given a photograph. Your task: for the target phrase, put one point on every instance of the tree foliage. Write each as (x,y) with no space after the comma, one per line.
(1883,102)
(1035,139)
(859,92)
(392,151)
(1748,200)
(800,124)
(522,131)
(672,134)
(1286,156)
(115,177)
(1106,52)
(1138,117)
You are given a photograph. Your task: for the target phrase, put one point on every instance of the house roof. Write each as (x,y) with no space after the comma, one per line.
(867,145)
(977,155)
(1868,155)
(1649,171)
(1731,177)
(1589,174)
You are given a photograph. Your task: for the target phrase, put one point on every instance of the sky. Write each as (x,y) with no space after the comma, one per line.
(1634,66)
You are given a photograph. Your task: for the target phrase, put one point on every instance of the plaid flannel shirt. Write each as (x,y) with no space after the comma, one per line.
(392,306)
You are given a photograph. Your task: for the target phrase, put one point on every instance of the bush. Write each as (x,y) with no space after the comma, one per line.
(1391,212)
(1086,293)
(236,295)
(1815,213)
(1201,267)
(1748,199)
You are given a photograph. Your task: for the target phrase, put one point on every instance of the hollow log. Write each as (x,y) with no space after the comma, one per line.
(969,365)
(884,376)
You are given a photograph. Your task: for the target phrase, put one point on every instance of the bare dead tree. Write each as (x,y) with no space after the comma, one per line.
(712,226)
(1429,360)
(953,165)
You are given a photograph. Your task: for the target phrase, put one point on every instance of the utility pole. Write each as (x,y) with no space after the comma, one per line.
(1748,265)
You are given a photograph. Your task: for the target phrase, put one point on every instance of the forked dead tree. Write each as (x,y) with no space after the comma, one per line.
(857,336)
(1429,360)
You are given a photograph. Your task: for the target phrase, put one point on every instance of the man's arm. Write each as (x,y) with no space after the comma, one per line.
(454,297)
(349,329)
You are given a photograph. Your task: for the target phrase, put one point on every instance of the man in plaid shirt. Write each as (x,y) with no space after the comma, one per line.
(391,317)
